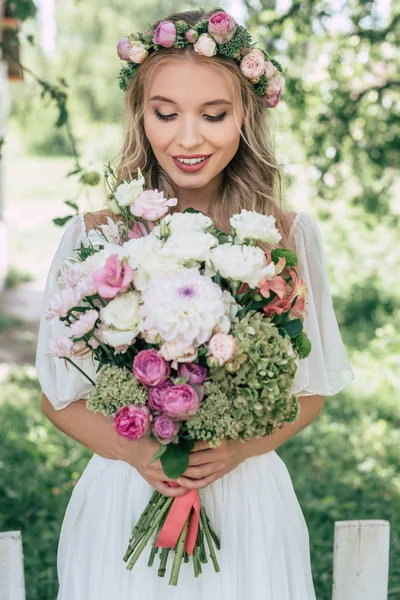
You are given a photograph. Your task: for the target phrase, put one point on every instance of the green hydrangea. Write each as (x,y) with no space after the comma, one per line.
(115,387)
(258,382)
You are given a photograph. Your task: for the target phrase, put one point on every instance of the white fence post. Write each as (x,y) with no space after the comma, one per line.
(12,585)
(361,560)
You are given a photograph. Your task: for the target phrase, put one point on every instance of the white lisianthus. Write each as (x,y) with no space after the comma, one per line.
(126,193)
(184,246)
(246,264)
(116,338)
(122,313)
(178,222)
(183,307)
(252,225)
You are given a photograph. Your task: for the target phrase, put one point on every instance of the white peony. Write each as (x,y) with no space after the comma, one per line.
(178,222)
(183,307)
(252,225)
(122,312)
(246,264)
(126,193)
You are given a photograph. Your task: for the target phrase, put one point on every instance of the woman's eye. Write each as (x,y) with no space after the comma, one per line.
(220,117)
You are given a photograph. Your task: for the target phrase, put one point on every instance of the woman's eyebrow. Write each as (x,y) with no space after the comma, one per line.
(210,103)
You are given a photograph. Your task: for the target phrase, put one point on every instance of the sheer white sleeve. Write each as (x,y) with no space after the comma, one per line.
(60,381)
(327,369)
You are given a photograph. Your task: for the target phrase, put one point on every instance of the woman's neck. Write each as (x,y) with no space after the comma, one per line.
(199,198)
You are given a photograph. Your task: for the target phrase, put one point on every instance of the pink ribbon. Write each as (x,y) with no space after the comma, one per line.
(176,519)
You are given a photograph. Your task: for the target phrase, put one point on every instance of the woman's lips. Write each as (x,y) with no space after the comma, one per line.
(191,168)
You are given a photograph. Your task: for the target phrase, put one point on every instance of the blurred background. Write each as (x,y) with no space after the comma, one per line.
(336,130)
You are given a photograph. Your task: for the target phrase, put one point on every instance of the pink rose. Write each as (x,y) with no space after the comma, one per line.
(253,65)
(205,45)
(165,34)
(222,347)
(114,277)
(151,205)
(192,36)
(150,368)
(270,69)
(181,401)
(273,91)
(165,429)
(221,27)
(139,230)
(156,395)
(195,373)
(61,347)
(122,48)
(137,52)
(132,422)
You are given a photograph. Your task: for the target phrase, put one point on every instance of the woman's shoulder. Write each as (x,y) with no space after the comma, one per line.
(93,220)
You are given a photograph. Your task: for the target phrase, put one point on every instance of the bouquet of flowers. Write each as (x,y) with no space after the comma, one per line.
(195,334)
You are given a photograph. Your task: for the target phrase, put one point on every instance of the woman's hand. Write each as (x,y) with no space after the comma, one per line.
(206,464)
(139,456)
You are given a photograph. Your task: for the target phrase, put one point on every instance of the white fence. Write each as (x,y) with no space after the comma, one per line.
(360,565)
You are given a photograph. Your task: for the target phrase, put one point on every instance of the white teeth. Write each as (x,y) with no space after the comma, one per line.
(191,161)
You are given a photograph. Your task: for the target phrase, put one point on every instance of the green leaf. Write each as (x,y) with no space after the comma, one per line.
(175,460)
(63,117)
(72,204)
(293,327)
(192,210)
(158,454)
(60,221)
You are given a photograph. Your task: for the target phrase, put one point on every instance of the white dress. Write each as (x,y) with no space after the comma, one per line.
(265,544)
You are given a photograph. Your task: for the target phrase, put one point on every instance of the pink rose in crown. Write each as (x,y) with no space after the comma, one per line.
(181,401)
(253,65)
(151,205)
(122,48)
(270,69)
(222,347)
(195,373)
(273,91)
(156,395)
(139,230)
(221,27)
(114,277)
(132,422)
(137,52)
(150,368)
(165,34)
(165,429)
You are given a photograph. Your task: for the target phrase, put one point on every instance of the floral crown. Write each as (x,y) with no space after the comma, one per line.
(217,35)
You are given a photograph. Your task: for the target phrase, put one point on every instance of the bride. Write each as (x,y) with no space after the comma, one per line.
(197,124)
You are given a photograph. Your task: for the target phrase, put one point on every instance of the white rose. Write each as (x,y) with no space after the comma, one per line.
(177,352)
(122,312)
(137,52)
(246,264)
(116,338)
(178,222)
(205,45)
(255,226)
(184,246)
(126,193)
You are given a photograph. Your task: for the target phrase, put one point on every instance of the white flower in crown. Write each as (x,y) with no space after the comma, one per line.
(246,264)
(205,45)
(183,307)
(127,192)
(252,225)
(137,52)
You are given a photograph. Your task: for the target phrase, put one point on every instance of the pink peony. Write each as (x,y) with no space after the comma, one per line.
(139,230)
(195,373)
(222,347)
(122,48)
(84,324)
(156,395)
(165,34)
(165,429)
(114,277)
(151,205)
(181,401)
(61,347)
(132,422)
(253,65)
(150,368)
(221,27)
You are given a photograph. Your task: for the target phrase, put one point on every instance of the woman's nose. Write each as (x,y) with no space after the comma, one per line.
(189,134)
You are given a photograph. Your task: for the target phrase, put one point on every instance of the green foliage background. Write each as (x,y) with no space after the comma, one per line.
(337,133)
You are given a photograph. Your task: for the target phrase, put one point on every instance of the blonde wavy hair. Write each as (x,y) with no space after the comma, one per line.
(252,179)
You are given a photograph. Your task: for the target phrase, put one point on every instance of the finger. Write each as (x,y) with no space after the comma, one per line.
(202,471)
(200,445)
(203,457)
(171,492)
(195,484)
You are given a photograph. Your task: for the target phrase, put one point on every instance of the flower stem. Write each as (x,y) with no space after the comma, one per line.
(209,539)
(154,549)
(163,561)
(202,552)
(151,502)
(146,519)
(213,534)
(180,547)
(79,369)
(148,534)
